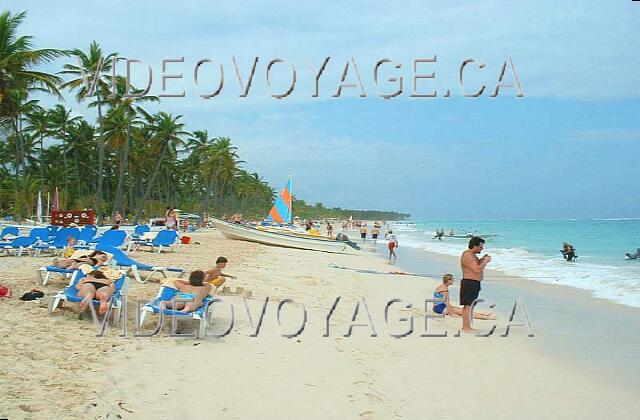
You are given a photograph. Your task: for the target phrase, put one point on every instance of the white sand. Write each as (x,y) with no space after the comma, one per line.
(55,367)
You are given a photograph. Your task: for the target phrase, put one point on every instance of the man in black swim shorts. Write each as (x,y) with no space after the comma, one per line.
(472,275)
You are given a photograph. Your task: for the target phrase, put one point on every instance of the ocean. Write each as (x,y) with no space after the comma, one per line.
(531,249)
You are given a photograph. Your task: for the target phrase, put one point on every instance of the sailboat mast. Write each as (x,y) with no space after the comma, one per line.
(290,199)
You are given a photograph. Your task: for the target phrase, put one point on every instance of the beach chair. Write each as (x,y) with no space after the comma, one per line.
(140,230)
(164,239)
(111,238)
(44,273)
(168,293)
(19,244)
(87,234)
(70,294)
(9,230)
(58,243)
(122,260)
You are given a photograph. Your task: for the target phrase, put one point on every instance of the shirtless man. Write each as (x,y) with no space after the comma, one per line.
(215,276)
(472,274)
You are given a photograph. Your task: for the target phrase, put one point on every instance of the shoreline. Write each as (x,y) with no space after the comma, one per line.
(563,318)
(59,368)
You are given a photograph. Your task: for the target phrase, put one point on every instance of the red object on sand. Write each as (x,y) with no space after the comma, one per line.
(5,291)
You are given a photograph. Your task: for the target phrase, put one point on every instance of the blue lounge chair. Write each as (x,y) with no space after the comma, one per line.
(51,269)
(122,260)
(87,234)
(19,244)
(111,238)
(9,230)
(164,239)
(59,241)
(140,230)
(70,294)
(44,273)
(168,293)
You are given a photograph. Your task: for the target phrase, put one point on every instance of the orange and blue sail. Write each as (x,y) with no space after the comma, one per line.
(281,211)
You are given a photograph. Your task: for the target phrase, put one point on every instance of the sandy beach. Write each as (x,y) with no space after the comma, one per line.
(55,366)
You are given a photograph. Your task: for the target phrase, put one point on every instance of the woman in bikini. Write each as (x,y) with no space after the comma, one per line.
(96,258)
(95,286)
(442,291)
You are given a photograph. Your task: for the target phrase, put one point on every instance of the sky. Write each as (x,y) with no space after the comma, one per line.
(568,149)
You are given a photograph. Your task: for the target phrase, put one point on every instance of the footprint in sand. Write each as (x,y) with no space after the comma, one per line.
(373,396)
(367,415)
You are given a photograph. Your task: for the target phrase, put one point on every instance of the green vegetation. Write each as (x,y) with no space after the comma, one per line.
(318,211)
(129,160)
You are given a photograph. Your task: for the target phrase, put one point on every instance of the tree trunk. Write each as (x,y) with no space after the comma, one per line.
(100,161)
(156,170)
(124,156)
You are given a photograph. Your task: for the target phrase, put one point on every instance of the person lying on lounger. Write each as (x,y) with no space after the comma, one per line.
(195,289)
(215,276)
(446,306)
(94,259)
(95,285)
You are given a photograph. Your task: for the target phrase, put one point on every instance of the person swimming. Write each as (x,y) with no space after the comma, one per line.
(633,256)
(568,252)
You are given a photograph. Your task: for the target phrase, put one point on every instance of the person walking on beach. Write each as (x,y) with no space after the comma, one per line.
(329,229)
(472,275)
(393,244)
(171,219)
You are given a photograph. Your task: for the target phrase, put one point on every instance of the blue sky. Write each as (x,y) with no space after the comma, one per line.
(568,149)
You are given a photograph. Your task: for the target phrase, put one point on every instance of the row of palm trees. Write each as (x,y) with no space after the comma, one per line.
(129,160)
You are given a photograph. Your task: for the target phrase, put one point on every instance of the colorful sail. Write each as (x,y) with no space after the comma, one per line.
(281,210)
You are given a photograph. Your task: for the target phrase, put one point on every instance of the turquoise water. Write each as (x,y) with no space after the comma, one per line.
(531,249)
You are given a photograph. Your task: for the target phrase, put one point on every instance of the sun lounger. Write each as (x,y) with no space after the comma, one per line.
(9,232)
(44,273)
(19,245)
(168,293)
(121,259)
(58,243)
(164,239)
(70,294)
(111,238)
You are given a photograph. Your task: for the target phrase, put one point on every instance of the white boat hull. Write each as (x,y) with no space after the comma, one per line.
(236,231)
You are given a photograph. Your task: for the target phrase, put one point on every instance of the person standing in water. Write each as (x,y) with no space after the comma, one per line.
(375,232)
(472,275)
(393,244)
(363,232)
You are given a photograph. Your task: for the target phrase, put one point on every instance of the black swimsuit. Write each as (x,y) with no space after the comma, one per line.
(97,284)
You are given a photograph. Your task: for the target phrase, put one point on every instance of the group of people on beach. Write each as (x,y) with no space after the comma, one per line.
(470,286)
(99,279)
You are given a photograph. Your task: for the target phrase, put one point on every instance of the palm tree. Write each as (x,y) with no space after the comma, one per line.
(127,111)
(39,127)
(168,133)
(60,122)
(93,66)
(18,59)
(18,78)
